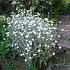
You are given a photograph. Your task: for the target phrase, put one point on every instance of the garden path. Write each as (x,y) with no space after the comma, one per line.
(64,30)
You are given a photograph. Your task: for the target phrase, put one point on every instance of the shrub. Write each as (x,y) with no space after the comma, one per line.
(32,36)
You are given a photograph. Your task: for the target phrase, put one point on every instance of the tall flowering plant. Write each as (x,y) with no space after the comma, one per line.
(32,36)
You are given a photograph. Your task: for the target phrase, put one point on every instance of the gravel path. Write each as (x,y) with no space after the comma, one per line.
(64,29)
(64,40)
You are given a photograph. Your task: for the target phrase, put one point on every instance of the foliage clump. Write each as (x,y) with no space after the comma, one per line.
(4,39)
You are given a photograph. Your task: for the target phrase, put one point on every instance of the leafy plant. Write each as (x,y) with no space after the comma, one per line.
(32,36)
(4,39)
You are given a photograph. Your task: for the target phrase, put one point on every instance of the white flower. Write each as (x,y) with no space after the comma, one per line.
(9,26)
(3,25)
(5,29)
(21,34)
(26,48)
(16,23)
(30,58)
(60,47)
(62,29)
(59,21)
(30,42)
(53,53)
(17,47)
(46,19)
(45,29)
(34,24)
(14,2)
(51,22)
(34,54)
(43,37)
(53,43)
(29,48)
(7,34)
(19,25)
(56,41)
(17,15)
(59,36)
(34,32)
(22,54)
(47,32)
(39,36)
(50,3)
(48,46)
(54,28)
(14,32)
(39,45)
(1,42)
(27,36)
(32,39)
(4,39)
(24,30)
(26,40)
(38,50)
(27,53)
(45,44)
(38,13)
(51,36)
(25,60)
(27,45)
(15,44)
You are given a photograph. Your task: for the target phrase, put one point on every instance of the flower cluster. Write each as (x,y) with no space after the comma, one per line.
(32,35)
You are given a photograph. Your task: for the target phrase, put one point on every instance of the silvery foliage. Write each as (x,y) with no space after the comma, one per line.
(31,35)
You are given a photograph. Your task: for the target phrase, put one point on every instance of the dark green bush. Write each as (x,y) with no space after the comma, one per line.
(4,40)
